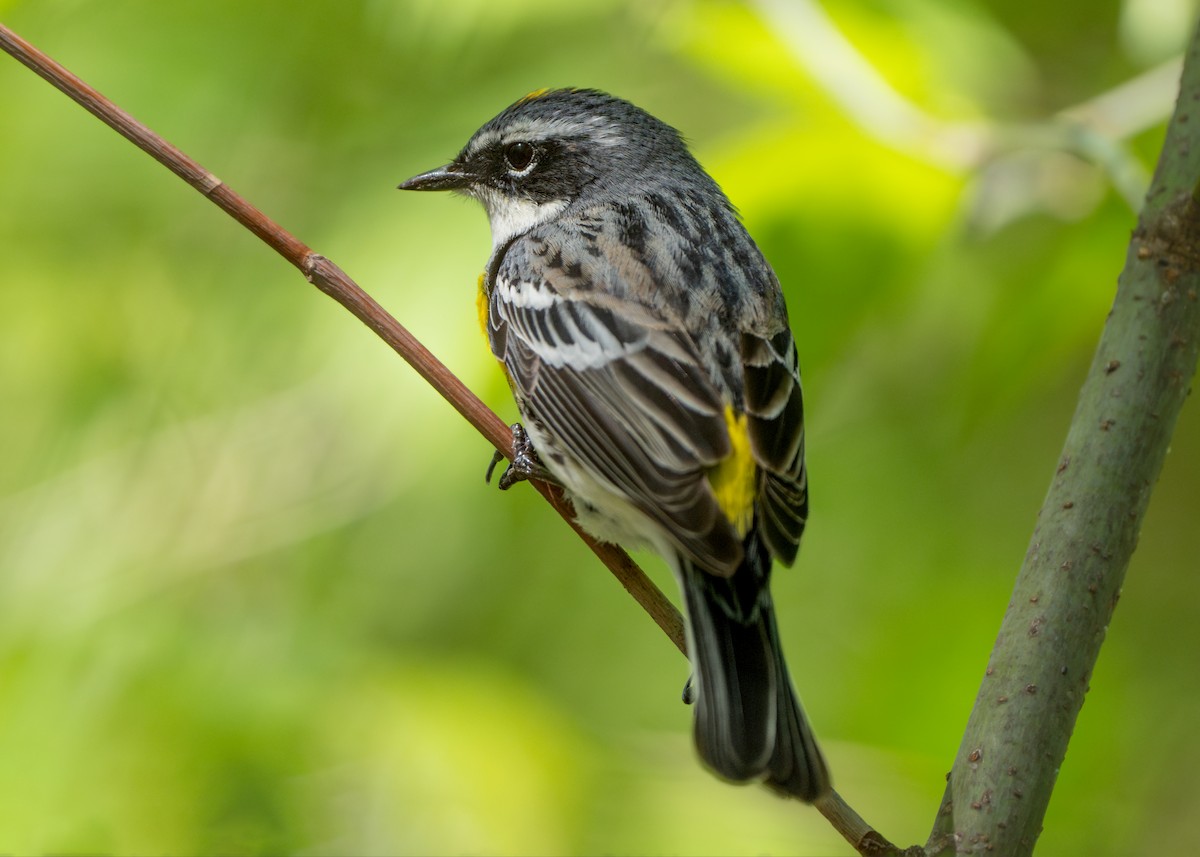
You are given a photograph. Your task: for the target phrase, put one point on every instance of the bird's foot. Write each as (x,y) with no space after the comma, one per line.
(689,691)
(525,464)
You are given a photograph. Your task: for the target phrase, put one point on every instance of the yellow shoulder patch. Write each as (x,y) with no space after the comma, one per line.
(734,480)
(481,310)
(481,305)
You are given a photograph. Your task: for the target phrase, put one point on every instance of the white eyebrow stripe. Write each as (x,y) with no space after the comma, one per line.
(596,128)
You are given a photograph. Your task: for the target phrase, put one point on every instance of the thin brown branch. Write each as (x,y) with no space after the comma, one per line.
(865,839)
(334,282)
(331,280)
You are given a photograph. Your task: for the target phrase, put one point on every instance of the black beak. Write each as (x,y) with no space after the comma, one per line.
(449,177)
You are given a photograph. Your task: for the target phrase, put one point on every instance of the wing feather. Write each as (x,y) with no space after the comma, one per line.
(624,395)
(775,421)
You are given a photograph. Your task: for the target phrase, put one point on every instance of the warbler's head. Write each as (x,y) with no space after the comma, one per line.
(555,147)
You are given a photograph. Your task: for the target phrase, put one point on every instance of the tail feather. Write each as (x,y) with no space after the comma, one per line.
(797,766)
(734,680)
(748,723)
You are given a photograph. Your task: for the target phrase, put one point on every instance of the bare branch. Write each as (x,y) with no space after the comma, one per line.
(333,282)
(865,839)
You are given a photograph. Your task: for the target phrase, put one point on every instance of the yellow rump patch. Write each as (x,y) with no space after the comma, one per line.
(734,480)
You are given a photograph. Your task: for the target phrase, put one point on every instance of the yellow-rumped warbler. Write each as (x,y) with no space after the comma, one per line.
(647,344)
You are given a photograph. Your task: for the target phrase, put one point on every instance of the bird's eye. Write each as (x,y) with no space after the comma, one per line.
(519,156)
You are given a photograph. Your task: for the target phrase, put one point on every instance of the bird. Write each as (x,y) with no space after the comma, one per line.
(646,341)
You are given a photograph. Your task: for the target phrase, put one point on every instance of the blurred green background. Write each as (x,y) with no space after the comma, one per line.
(255,597)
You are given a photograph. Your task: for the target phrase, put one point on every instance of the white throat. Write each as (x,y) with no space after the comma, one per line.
(511,217)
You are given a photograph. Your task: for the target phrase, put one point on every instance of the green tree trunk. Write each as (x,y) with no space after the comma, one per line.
(1037,676)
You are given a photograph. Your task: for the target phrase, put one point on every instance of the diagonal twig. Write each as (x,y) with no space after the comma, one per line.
(330,279)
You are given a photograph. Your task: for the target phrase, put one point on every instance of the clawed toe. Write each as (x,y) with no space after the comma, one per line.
(525,464)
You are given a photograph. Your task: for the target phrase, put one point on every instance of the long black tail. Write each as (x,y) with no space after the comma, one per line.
(749,724)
